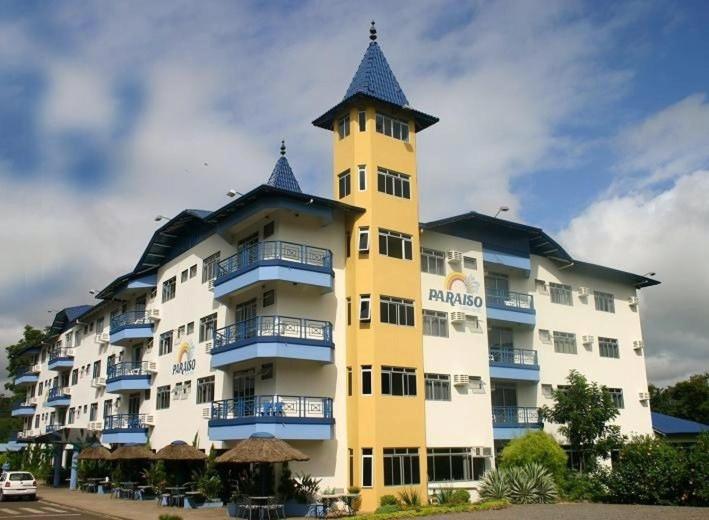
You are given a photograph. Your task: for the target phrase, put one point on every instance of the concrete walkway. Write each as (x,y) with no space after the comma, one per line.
(119,509)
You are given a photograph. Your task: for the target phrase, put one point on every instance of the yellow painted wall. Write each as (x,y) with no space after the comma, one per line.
(379,421)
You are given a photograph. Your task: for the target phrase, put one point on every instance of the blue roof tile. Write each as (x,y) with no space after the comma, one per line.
(669,425)
(282,176)
(375,78)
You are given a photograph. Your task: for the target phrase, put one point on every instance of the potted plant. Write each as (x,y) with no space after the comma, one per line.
(305,490)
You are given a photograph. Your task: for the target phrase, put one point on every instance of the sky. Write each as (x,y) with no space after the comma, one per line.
(589,119)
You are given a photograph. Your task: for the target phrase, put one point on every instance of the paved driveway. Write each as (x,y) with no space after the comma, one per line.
(39,510)
(586,512)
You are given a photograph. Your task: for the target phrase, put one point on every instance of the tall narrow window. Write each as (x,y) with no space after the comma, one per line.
(363,240)
(617,397)
(366,379)
(350,456)
(343,127)
(165,343)
(362,177)
(349,381)
(362,119)
(168,289)
(343,184)
(367,467)
(365,308)
(207,325)
(209,267)
(348,245)
(162,398)
(349,311)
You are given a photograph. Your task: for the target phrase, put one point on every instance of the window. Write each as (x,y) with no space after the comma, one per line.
(617,397)
(209,267)
(396,311)
(348,246)
(398,381)
(193,271)
(396,245)
(343,184)
(207,326)
(438,387)
(547,391)
(362,177)
(366,379)
(70,419)
(363,240)
(604,301)
(343,127)
(470,263)
(190,328)
(165,343)
(93,412)
(564,342)
(608,347)
(433,261)
(401,466)
(184,275)
(162,398)
(349,381)
(365,307)
(349,311)
(393,183)
(362,119)
(266,371)
(560,293)
(69,337)
(269,229)
(367,467)
(107,408)
(168,289)
(393,127)
(99,325)
(435,323)
(180,331)
(454,464)
(269,298)
(472,323)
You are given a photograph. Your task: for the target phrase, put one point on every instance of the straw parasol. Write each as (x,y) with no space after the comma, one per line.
(180,450)
(262,448)
(95,452)
(133,452)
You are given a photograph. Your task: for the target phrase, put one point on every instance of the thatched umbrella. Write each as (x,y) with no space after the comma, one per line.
(262,448)
(95,452)
(180,450)
(133,452)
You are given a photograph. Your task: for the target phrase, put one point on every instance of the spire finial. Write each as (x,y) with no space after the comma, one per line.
(373,32)
(283,148)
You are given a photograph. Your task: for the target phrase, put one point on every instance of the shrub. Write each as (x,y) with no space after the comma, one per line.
(170,517)
(443,496)
(388,500)
(576,486)
(356,503)
(306,487)
(536,447)
(529,484)
(389,508)
(460,496)
(698,472)
(410,497)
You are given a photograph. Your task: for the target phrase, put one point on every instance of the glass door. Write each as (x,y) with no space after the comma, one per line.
(248,250)
(134,404)
(244,316)
(500,342)
(244,392)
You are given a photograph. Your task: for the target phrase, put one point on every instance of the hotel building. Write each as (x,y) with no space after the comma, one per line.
(394,352)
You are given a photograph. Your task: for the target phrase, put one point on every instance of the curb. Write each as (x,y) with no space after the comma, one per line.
(83,509)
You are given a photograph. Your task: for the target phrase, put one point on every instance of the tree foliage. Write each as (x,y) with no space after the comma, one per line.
(31,337)
(687,399)
(539,447)
(584,411)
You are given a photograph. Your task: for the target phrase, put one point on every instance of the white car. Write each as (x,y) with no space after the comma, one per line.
(17,484)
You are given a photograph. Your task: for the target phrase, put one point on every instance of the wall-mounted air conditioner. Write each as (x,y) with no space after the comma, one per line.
(584,292)
(457,317)
(98,382)
(633,301)
(454,257)
(587,340)
(638,345)
(154,314)
(102,338)
(644,396)
(461,379)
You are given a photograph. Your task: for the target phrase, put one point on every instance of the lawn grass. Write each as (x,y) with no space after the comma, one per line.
(431,510)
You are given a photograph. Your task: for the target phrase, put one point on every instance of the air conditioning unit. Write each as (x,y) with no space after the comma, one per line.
(98,382)
(154,314)
(454,257)
(206,413)
(541,286)
(150,420)
(102,338)
(66,390)
(644,396)
(36,368)
(457,317)
(633,301)
(32,400)
(584,292)
(638,345)
(482,451)
(176,394)
(152,367)
(461,379)
(210,284)
(95,426)
(544,336)
(208,347)
(587,340)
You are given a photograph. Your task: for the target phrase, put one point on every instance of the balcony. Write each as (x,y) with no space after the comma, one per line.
(59,397)
(508,261)
(131,326)
(285,417)
(24,409)
(27,376)
(513,364)
(273,337)
(27,435)
(269,261)
(509,422)
(53,428)
(511,307)
(129,376)
(61,359)
(126,428)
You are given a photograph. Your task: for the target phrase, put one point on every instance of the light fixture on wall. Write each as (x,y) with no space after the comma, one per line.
(502,209)
(233,193)
(158,218)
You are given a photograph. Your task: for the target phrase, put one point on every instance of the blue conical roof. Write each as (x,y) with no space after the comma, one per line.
(375,78)
(282,176)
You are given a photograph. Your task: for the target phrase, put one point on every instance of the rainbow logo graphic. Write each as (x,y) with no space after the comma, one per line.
(186,363)
(459,291)
(457,282)
(184,350)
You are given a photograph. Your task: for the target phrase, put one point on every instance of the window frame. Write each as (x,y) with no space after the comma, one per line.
(362,177)
(166,343)
(169,289)
(390,182)
(561,294)
(162,397)
(564,340)
(344,184)
(608,348)
(207,324)
(387,238)
(441,317)
(433,257)
(366,370)
(406,457)
(365,307)
(367,453)
(401,309)
(604,302)
(209,266)
(437,387)
(363,239)
(407,384)
(343,126)
(203,391)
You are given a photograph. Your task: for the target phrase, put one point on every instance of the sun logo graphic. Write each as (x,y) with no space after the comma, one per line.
(186,362)
(457,282)
(459,291)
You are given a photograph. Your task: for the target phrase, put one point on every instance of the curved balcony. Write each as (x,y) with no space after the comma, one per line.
(59,397)
(24,408)
(27,376)
(129,376)
(126,428)
(61,359)
(273,337)
(513,364)
(270,261)
(131,326)
(509,422)
(510,307)
(53,428)
(285,417)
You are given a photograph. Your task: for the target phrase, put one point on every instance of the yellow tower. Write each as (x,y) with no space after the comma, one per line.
(374,167)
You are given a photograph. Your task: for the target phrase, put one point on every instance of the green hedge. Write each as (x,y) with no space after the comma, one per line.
(434,510)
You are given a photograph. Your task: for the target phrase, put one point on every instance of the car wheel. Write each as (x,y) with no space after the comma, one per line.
(31,497)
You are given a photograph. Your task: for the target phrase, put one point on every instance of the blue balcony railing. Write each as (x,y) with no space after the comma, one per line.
(61,353)
(510,300)
(25,371)
(516,416)
(130,319)
(274,253)
(513,356)
(126,421)
(285,406)
(51,428)
(127,368)
(273,328)
(57,392)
